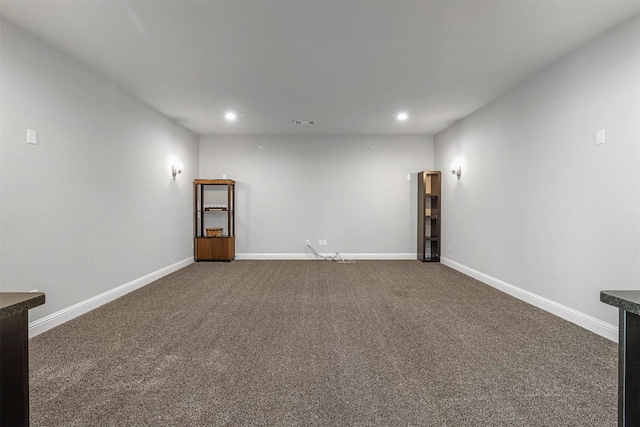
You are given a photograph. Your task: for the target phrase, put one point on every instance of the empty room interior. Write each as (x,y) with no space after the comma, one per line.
(318,129)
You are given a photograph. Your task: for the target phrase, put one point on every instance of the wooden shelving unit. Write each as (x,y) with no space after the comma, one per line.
(214,208)
(429,200)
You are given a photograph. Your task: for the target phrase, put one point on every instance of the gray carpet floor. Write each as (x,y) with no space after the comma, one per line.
(313,343)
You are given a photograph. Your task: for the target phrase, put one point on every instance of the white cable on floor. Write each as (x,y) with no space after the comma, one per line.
(337,258)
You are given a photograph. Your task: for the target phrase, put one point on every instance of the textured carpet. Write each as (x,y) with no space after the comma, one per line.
(312,343)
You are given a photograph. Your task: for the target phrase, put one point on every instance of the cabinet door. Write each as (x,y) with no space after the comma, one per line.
(215,248)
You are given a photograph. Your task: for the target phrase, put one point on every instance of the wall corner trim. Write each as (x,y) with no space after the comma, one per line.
(59,317)
(586,321)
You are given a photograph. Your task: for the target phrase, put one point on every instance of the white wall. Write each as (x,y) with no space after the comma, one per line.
(92,206)
(540,206)
(351,190)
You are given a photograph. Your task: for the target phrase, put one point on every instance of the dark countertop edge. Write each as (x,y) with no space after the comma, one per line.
(626,300)
(24,301)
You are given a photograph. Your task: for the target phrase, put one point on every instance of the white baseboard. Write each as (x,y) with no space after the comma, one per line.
(588,322)
(310,256)
(59,317)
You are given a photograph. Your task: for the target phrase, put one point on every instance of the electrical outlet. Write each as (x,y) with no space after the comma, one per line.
(320,242)
(449,247)
(306,242)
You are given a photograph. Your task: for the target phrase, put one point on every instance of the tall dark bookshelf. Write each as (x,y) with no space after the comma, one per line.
(429,201)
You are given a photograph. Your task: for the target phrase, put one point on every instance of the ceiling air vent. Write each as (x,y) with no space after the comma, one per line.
(304,122)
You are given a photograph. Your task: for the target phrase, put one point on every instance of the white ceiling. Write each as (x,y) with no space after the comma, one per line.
(347,64)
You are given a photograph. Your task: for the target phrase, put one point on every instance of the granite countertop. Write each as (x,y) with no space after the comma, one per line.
(626,300)
(15,302)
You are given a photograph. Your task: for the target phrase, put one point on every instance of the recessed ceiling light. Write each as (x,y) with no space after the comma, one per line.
(230,116)
(402,116)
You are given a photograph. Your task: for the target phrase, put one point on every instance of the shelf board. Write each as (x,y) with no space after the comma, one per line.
(213,181)
(431,238)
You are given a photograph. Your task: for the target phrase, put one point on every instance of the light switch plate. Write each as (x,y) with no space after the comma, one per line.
(31,136)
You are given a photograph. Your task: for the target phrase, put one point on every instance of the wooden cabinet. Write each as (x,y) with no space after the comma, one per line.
(429,201)
(214,227)
(14,355)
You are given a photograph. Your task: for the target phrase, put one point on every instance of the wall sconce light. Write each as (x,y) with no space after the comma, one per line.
(457,171)
(175,171)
